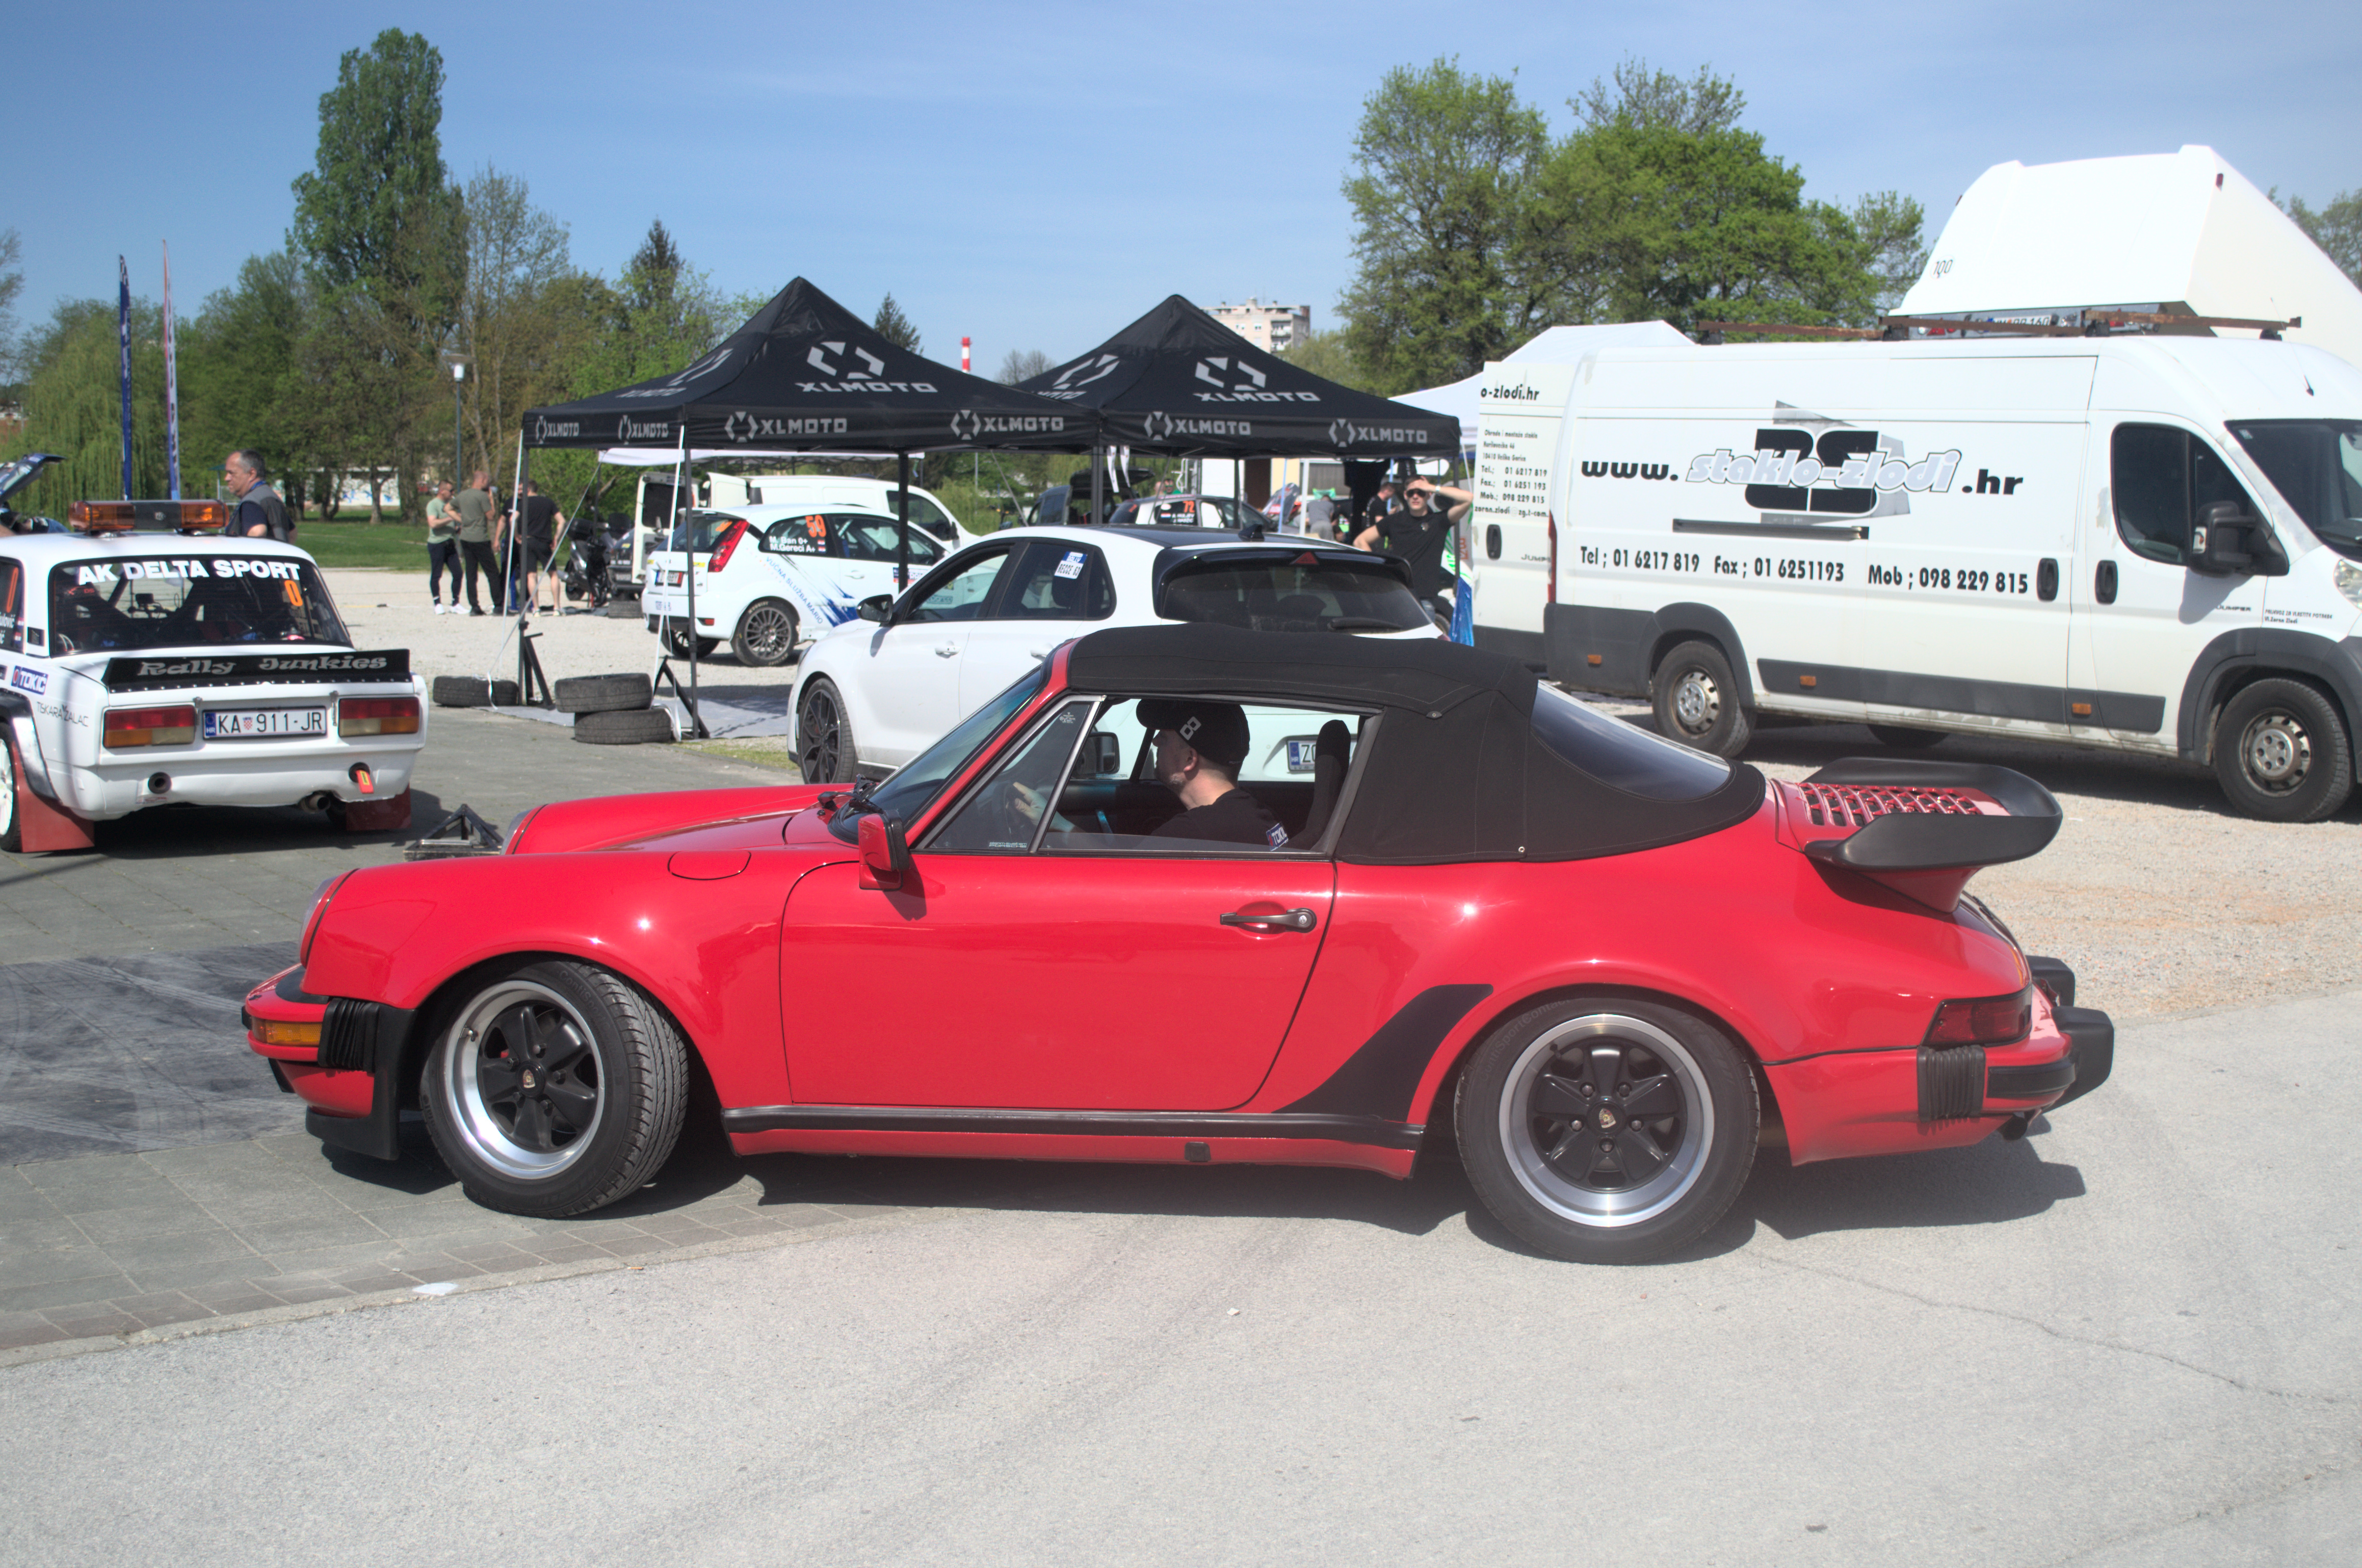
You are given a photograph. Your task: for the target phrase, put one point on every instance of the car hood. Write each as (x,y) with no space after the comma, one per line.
(758,817)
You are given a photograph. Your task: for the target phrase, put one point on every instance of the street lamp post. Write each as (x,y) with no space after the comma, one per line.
(459,363)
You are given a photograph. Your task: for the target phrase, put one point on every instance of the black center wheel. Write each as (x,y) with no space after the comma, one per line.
(765,635)
(1696,701)
(825,753)
(1608,1130)
(2280,752)
(554,1088)
(12,825)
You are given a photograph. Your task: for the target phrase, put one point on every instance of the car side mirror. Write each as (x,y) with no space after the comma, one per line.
(885,854)
(876,607)
(1107,755)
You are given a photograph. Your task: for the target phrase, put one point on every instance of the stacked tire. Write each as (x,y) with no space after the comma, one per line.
(473,691)
(613,710)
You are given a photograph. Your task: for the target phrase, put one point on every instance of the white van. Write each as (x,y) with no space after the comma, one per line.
(2144,543)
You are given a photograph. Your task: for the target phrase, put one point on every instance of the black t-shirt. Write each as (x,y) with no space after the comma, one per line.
(1236,818)
(540,519)
(1419,538)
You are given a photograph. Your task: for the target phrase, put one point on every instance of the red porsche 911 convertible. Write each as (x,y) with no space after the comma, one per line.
(1190,894)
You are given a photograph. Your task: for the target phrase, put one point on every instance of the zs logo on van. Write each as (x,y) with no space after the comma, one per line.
(1842,473)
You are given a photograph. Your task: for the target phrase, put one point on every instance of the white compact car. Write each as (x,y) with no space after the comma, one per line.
(144,669)
(768,577)
(876,691)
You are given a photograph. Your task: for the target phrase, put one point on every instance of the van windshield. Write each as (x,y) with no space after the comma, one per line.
(2317,465)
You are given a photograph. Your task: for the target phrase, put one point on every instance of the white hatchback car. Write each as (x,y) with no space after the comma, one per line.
(876,691)
(768,577)
(157,667)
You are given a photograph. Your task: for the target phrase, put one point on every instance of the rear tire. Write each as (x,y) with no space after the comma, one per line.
(1904,738)
(602,693)
(765,637)
(1696,701)
(12,820)
(2280,752)
(554,1089)
(677,641)
(825,748)
(1606,1129)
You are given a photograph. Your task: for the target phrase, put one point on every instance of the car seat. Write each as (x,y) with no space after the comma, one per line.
(1333,754)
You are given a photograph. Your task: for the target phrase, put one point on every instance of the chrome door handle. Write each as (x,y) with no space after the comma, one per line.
(946,650)
(1285,920)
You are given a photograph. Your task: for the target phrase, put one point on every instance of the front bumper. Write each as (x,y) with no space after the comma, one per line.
(349,1079)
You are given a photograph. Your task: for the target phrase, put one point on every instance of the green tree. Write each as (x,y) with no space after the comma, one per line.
(1660,100)
(1448,271)
(1023,365)
(12,284)
(72,406)
(896,327)
(381,233)
(242,383)
(2336,228)
(526,318)
(1329,355)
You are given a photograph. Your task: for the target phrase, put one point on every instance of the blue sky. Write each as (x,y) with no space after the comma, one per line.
(1034,176)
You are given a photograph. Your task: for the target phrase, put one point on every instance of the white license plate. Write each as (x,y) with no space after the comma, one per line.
(264,724)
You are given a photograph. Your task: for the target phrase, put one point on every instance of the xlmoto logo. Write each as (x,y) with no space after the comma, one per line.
(1210,370)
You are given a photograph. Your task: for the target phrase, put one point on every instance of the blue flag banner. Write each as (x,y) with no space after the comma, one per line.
(171,390)
(123,338)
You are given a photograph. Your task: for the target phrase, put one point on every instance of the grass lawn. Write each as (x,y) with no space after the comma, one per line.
(352,540)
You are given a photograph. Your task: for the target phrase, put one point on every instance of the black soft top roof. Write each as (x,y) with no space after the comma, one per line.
(1458,772)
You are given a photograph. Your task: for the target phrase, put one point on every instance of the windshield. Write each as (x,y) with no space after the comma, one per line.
(1616,753)
(1266,595)
(2317,465)
(905,795)
(124,604)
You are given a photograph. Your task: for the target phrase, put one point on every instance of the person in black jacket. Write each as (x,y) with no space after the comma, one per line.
(260,515)
(1200,746)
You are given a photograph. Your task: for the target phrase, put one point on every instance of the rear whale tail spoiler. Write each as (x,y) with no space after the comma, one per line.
(1921,828)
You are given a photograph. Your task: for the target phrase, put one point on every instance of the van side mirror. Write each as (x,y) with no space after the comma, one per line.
(885,854)
(2226,542)
(876,607)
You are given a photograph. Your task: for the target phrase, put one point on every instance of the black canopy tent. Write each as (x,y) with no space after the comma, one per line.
(807,375)
(1179,383)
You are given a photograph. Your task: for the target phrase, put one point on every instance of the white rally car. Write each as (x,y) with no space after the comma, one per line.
(147,661)
(769,577)
(876,691)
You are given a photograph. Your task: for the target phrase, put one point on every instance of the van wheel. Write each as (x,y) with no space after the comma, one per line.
(1606,1129)
(2280,752)
(1696,699)
(765,636)
(1904,738)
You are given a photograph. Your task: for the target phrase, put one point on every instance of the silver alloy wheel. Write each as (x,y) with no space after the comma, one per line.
(524,1079)
(2276,751)
(768,631)
(1606,1120)
(1697,702)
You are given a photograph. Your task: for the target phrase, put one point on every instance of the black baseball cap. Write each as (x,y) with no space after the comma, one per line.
(1216,731)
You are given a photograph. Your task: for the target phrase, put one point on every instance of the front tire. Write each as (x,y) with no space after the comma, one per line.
(824,750)
(766,637)
(2280,752)
(1606,1129)
(1696,701)
(554,1089)
(12,820)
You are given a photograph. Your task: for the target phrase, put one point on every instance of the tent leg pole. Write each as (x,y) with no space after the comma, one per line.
(902,528)
(689,576)
(1096,512)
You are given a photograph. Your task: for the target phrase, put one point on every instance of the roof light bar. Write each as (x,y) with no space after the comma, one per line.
(148,516)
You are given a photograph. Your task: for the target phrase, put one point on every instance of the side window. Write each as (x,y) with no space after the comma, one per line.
(961,595)
(12,606)
(866,537)
(1005,811)
(797,537)
(1280,797)
(2160,477)
(1055,580)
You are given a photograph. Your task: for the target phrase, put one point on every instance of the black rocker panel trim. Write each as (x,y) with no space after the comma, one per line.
(1954,694)
(1369,1130)
(1382,1074)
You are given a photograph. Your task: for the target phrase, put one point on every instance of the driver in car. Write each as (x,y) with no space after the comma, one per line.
(1200,746)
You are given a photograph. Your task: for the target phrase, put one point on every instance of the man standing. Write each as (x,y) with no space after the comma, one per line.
(261,513)
(442,546)
(475,506)
(1317,513)
(1418,533)
(536,541)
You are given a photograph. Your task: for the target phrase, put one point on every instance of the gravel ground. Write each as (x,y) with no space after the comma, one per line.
(2162,900)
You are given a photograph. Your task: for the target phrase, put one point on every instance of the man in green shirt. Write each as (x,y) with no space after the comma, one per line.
(442,546)
(475,508)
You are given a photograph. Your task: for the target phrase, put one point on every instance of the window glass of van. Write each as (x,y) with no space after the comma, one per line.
(2161,479)
(2317,465)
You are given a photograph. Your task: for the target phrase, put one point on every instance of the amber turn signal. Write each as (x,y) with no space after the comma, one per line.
(377,716)
(280,1031)
(150,726)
